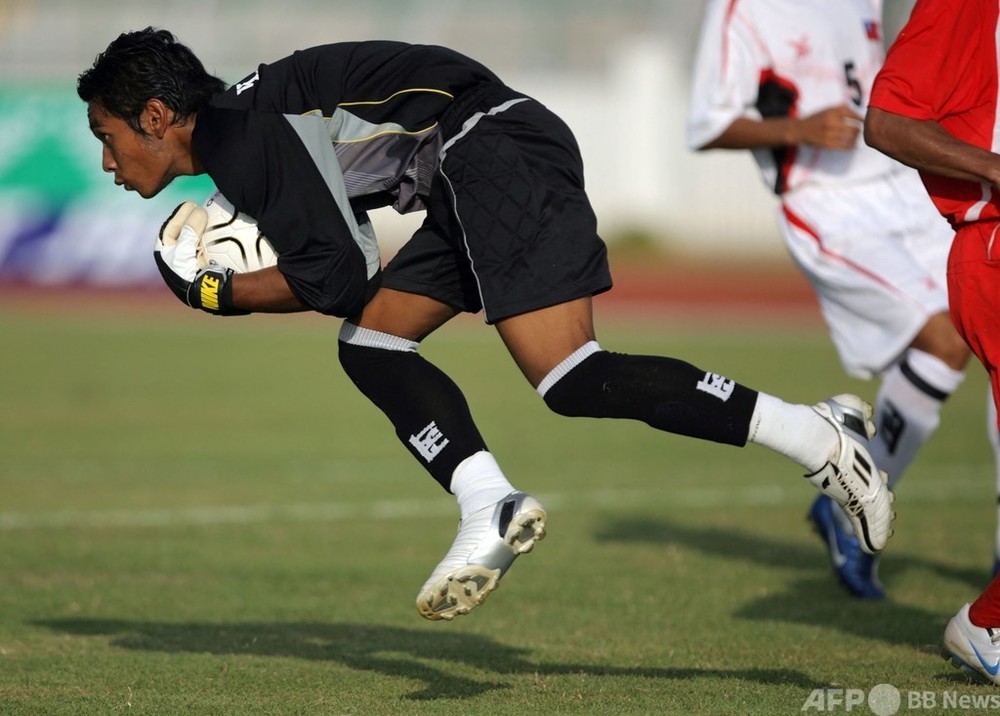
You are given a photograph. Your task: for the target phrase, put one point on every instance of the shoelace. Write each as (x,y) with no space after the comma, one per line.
(853,505)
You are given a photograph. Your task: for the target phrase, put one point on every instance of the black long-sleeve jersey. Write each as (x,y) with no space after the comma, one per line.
(309,143)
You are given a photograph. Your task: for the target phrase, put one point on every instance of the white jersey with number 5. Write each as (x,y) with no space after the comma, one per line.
(859,225)
(779,58)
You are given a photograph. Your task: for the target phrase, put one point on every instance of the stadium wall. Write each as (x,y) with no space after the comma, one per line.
(617,73)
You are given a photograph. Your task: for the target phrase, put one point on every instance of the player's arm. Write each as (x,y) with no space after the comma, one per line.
(927,146)
(264,291)
(215,289)
(833,128)
(283,171)
(222,291)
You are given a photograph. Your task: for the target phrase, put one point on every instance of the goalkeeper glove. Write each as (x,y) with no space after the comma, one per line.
(176,253)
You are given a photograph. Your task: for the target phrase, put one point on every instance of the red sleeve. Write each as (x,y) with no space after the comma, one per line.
(928,65)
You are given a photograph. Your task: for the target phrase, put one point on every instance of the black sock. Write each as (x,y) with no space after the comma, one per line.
(666,393)
(427,409)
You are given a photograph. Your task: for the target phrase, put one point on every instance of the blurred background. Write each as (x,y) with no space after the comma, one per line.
(617,72)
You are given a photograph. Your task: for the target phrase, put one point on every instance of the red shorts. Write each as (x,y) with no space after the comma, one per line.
(974,293)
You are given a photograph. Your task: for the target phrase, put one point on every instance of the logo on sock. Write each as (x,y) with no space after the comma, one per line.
(891,429)
(429,442)
(717,385)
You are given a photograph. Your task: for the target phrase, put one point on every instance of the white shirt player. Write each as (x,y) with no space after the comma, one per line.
(789,57)
(859,225)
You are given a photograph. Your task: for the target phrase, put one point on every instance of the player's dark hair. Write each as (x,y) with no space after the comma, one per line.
(143,65)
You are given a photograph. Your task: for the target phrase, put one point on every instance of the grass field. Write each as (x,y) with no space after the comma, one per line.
(201,516)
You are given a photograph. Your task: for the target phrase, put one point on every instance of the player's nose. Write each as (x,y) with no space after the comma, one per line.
(107,161)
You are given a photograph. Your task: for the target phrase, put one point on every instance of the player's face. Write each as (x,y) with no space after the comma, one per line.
(138,161)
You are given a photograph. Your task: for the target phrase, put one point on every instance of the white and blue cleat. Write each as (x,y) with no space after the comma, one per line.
(972,648)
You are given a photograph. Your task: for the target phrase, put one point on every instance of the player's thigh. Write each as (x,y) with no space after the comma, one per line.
(974,293)
(940,338)
(540,340)
(407,315)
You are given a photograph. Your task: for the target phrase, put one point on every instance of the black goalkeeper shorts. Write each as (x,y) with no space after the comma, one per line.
(509,228)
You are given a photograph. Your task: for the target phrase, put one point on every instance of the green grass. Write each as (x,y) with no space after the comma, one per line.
(202,516)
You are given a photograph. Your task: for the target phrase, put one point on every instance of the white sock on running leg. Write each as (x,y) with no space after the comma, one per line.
(796,431)
(908,409)
(479,482)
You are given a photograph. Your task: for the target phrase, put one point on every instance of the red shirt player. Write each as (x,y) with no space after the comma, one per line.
(934,107)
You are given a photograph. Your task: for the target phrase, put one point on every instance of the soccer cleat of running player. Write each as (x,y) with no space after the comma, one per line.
(488,541)
(852,480)
(974,648)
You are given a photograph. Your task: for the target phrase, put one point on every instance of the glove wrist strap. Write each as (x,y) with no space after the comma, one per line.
(212,292)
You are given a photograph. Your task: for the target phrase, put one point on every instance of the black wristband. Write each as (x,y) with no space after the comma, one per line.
(212,292)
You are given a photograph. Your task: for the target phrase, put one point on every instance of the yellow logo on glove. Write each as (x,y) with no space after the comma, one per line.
(210,293)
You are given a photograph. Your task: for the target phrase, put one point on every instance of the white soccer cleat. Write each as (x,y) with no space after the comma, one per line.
(487,544)
(974,648)
(854,481)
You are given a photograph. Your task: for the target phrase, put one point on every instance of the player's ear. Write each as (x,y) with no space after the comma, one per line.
(156,118)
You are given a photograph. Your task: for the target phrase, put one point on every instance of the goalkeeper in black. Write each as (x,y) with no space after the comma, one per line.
(308,144)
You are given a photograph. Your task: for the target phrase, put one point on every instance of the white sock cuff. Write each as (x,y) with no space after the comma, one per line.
(478,482)
(765,403)
(358,336)
(932,371)
(575,358)
(796,431)
(474,467)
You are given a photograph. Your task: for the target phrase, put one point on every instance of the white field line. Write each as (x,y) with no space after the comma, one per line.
(951,488)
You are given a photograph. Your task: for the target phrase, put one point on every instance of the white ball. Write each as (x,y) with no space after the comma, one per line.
(232,239)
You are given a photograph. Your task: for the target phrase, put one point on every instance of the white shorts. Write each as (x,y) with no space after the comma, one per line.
(877,256)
